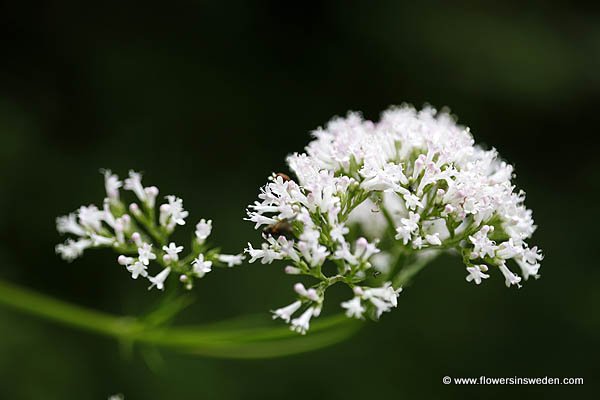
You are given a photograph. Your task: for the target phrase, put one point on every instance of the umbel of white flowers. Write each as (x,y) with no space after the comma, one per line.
(141,234)
(370,196)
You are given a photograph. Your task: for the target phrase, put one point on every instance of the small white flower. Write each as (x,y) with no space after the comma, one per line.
(354,308)
(417,242)
(68,224)
(532,255)
(203,230)
(291,270)
(134,183)
(172,213)
(314,253)
(137,269)
(71,249)
(287,248)
(412,201)
(134,209)
(201,266)
(510,277)
(482,245)
(99,240)
(529,262)
(407,227)
(172,251)
(508,249)
(310,294)
(364,250)
(528,269)
(145,253)
(120,226)
(124,260)
(476,274)
(434,239)
(159,279)
(383,298)
(260,219)
(285,313)
(151,194)
(231,259)
(338,231)
(266,254)
(302,323)
(91,218)
(112,184)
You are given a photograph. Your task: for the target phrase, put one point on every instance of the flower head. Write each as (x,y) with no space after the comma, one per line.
(133,231)
(412,185)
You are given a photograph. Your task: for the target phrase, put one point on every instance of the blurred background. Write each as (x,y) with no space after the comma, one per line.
(209,98)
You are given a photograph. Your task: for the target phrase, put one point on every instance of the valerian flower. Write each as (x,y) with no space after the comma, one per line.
(141,239)
(370,199)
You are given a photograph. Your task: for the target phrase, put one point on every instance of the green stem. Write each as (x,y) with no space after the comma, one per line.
(251,338)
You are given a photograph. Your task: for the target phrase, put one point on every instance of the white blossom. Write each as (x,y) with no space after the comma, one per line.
(72,249)
(90,217)
(266,254)
(145,253)
(201,266)
(285,313)
(529,262)
(172,213)
(137,269)
(99,240)
(354,308)
(407,227)
(476,274)
(159,279)
(509,276)
(172,251)
(302,323)
(135,231)
(69,224)
(134,183)
(310,294)
(482,245)
(151,195)
(231,259)
(203,230)
(112,184)
(433,239)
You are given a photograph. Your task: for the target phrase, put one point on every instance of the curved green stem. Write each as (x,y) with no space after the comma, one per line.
(251,338)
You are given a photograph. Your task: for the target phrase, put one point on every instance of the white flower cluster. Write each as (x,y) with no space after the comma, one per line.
(370,197)
(134,232)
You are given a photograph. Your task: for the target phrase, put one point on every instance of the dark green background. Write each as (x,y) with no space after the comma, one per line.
(208,99)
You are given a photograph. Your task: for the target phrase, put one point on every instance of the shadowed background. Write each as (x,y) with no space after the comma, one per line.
(208,99)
